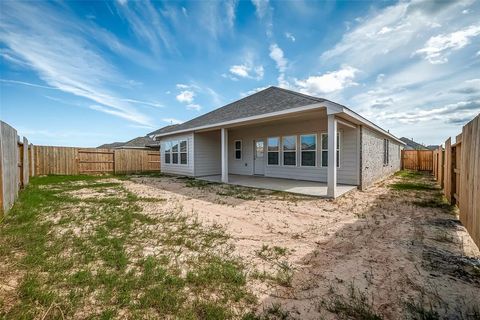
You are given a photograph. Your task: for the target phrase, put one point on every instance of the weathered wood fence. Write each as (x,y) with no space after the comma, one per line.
(72,161)
(419,160)
(457,171)
(16,165)
(20,160)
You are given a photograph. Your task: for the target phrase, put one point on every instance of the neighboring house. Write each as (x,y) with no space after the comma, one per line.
(433,147)
(145,142)
(412,145)
(283,134)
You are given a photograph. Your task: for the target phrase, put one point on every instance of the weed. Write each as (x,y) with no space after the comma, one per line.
(77,250)
(355,306)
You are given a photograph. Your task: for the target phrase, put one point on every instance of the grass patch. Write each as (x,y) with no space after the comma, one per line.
(354,306)
(85,256)
(412,186)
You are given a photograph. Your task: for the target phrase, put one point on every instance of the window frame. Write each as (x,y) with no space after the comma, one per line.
(386,152)
(296,151)
(180,152)
(168,150)
(277,152)
(338,149)
(315,151)
(235,150)
(177,153)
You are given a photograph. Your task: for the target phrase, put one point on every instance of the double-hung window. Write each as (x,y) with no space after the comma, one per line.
(273,151)
(238,149)
(325,149)
(175,152)
(183,152)
(308,145)
(289,150)
(386,152)
(168,151)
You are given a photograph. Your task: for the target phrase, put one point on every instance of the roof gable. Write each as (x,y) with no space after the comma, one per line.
(270,100)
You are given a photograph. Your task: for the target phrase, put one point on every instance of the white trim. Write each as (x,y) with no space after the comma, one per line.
(235,150)
(316,149)
(296,151)
(332,157)
(279,153)
(224,142)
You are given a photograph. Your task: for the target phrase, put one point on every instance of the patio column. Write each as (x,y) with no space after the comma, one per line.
(332,156)
(224,155)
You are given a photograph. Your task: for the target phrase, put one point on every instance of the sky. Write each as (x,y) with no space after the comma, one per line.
(92,72)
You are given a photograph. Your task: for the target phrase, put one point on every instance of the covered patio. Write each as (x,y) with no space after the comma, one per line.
(309,188)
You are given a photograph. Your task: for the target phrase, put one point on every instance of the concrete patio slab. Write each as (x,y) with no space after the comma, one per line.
(309,188)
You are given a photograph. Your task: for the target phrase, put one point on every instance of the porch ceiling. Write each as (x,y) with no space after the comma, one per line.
(309,188)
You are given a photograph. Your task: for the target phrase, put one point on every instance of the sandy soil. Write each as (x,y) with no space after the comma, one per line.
(378,241)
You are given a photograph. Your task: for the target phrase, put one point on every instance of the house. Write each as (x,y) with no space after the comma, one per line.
(412,145)
(145,142)
(278,133)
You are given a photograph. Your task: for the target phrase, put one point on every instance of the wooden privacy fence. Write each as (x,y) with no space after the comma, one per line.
(16,165)
(20,160)
(419,160)
(457,170)
(72,161)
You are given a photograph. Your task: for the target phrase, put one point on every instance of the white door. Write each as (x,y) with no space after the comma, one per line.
(258,157)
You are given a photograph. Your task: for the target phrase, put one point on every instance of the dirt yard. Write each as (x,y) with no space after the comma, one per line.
(146,246)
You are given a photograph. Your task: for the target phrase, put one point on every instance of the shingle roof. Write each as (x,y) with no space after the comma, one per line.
(413,145)
(270,100)
(111,145)
(140,142)
(163,130)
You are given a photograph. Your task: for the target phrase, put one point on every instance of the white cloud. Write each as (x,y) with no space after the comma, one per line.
(75,67)
(172,120)
(276,53)
(290,36)
(147,24)
(247,71)
(194,106)
(261,7)
(182,86)
(186,96)
(437,48)
(328,82)
(250,92)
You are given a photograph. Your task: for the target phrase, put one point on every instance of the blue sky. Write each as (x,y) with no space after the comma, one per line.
(87,73)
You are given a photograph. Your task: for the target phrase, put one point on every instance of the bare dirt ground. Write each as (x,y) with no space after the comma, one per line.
(393,252)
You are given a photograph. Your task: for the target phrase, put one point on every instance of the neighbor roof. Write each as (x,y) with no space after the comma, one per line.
(412,144)
(111,145)
(140,142)
(270,100)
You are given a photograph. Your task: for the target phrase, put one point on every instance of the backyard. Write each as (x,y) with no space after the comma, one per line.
(149,246)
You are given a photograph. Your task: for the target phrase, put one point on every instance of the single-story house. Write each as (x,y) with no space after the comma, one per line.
(412,145)
(279,133)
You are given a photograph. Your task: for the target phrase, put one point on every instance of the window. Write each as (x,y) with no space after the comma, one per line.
(168,151)
(386,152)
(174,152)
(290,151)
(325,149)
(238,149)
(273,151)
(308,145)
(183,152)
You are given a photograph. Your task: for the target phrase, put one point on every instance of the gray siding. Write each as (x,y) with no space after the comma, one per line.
(180,169)
(348,172)
(208,156)
(373,168)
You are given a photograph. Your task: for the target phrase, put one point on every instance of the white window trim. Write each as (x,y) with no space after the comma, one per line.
(235,150)
(296,151)
(165,152)
(279,152)
(316,149)
(178,152)
(339,133)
